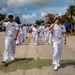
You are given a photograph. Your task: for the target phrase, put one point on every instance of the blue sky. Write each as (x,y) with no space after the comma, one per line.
(31,10)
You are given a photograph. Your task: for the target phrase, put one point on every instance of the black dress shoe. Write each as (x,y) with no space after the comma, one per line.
(17,44)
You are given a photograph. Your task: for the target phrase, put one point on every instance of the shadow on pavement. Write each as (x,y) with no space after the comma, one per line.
(19,59)
(67,64)
(26,41)
(0,55)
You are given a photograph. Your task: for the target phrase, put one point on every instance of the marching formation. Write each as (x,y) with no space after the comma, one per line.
(41,31)
(22,35)
(53,34)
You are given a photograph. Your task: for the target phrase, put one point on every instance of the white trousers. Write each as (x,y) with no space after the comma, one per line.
(50,39)
(21,38)
(41,35)
(25,34)
(45,36)
(9,42)
(32,34)
(18,39)
(57,52)
(35,38)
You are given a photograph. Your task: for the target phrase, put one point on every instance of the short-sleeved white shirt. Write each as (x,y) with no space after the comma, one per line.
(10,28)
(58,31)
(41,28)
(24,28)
(35,30)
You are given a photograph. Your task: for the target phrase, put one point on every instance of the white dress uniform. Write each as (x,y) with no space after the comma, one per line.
(18,39)
(45,34)
(49,37)
(35,35)
(21,35)
(41,29)
(57,42)
(32,31)
(9,39)
(25,31)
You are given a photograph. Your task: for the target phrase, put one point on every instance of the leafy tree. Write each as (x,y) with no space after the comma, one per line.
(38,22)
(2,16)
(17,20)
(71,11)
(49,22)
(66,15)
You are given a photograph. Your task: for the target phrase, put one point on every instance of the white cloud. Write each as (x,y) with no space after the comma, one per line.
(3,10)
(43,14)
(56,10)
(13,3)
(30,18)
(16,12)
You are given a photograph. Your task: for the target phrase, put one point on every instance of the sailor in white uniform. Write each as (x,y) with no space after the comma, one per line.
(18,41)
(35,34)
(49,36)
(25,31)
(41,29)
(11,37)
(18,37)
(21,34)
(59,32)
(45,33)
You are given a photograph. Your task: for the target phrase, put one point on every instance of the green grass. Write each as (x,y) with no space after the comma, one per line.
(26,64)
(71,34)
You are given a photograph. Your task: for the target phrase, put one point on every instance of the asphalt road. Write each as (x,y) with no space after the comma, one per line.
(41,51)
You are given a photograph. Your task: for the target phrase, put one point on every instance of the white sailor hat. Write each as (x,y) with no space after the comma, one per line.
(10,14)
(34,24)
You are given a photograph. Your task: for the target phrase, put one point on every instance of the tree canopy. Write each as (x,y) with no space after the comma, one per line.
(38,22)
(2,16)
(71,11)
(17,20)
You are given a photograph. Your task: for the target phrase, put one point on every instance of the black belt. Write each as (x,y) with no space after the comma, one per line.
(10,35)
(59,38)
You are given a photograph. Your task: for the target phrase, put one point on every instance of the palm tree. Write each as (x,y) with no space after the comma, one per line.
(71,11)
